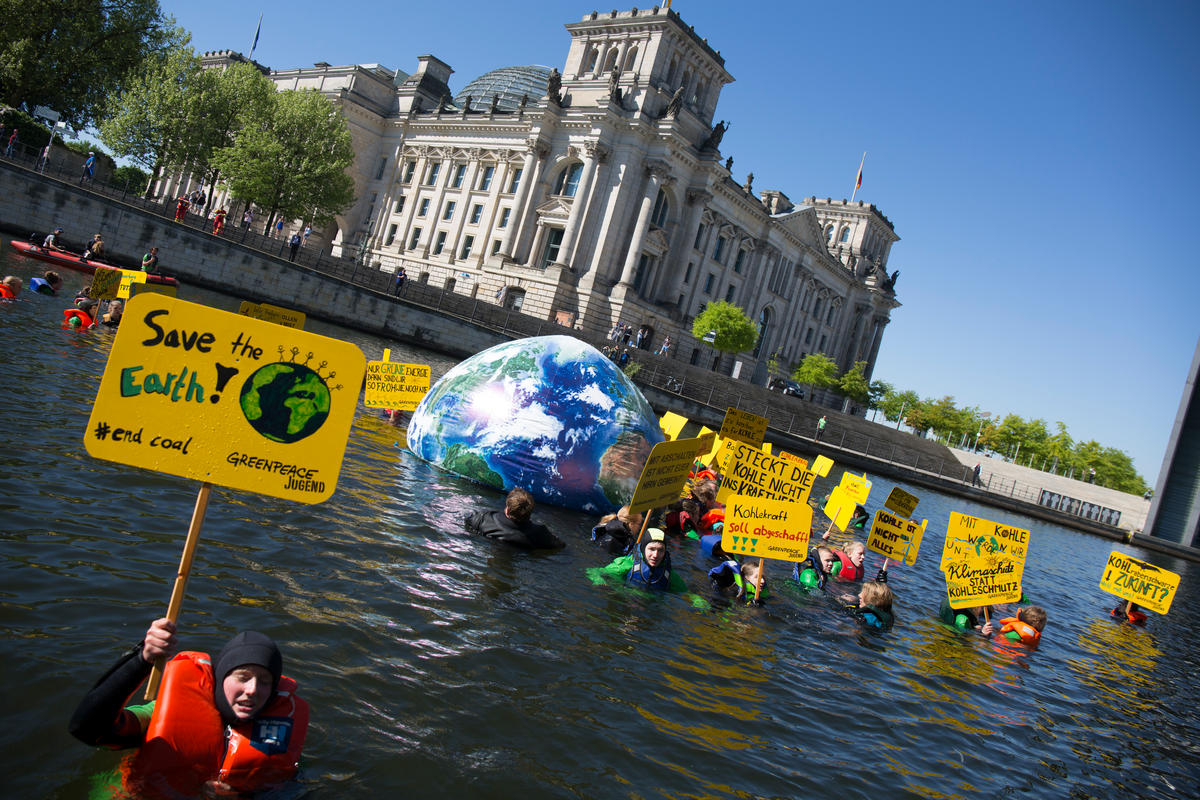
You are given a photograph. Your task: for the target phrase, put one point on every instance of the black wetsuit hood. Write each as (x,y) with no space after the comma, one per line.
(248,647)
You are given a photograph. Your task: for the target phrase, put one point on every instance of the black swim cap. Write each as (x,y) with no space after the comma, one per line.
(248,647)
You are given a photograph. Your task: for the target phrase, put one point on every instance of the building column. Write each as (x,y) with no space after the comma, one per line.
(880,324)
(655,173)
(578,206)
(404,231)
(514,219)
(527,218)
(696,201)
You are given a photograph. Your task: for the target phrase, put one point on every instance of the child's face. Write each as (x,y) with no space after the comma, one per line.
(826,562)
(856,555)
(862,599)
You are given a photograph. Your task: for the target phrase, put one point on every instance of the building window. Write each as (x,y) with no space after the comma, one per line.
(662,207)
(568,181)
(468,243)
(460,172)
(822,347)
(699,237)
(719,250)
(410,167)
(448,210)
(729,293)
(391,237)
(495,246)
(695,359)
(504,215)
(476,213)
(440,244)
(553,242)
(845,237)
(399,205)
(382,167)
(687,276)
(829,317)
(515,180)
(708,282)
(485,179)
(450,284)
(829,233)
(431,177)
(424,209)
(737,262)
(416,237)
(808,336)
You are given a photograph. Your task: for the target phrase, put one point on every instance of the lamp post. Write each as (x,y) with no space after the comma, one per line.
(982,416)
(900,417)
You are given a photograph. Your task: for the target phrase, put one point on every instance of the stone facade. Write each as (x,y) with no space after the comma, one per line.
(600,194)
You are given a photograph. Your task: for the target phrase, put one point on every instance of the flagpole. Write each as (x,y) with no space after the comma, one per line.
(257,31)
(858,180)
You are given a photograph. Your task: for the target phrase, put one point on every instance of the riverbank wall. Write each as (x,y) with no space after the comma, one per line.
(255,267)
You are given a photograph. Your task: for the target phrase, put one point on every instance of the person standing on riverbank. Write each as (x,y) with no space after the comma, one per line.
(220,726)
(150,261)
(89,168)
(401,279)
(12,142)
(820,428)
(293,246)
(219,221)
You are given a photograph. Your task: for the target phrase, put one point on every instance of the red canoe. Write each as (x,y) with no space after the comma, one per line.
(72,261)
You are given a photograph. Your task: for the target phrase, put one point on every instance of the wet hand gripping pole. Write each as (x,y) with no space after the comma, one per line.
(227,400)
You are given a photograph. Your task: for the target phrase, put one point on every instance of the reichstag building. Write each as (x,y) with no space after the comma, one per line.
(598,193)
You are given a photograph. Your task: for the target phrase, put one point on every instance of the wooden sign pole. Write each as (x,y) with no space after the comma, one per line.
(181,578)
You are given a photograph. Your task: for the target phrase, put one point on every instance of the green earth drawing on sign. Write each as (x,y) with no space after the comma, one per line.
(285,402)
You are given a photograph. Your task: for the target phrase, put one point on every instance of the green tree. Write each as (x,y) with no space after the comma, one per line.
(146,122)
(732,331)
(293,162)
(854,386)
(70,55)
(878,393)
(894,404)
(817,370)
(130,177)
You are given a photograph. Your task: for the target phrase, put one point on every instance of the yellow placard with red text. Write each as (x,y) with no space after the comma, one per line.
(1139,582)
(766,528)
(786,456)
(205,394)
(856,487)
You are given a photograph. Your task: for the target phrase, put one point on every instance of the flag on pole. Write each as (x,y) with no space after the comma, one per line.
(858,180)
(256,32)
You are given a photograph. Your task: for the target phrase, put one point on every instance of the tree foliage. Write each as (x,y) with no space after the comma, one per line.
(853,383)
(292,162)
(733,330)
(817,370)
(69,55)
(1030,442)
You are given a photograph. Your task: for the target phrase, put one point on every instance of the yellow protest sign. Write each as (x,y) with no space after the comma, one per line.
(106,283)
(971,536)
(995,578)
(129,277)
(170,290)
(664,475)
(752,472)
(1139,582)
(394,385)
(706,442)
(856,487)
(277,314)
(786,456)
(895,537)
(672,424)
(226,399)
(766,448)
(840,507)
(821,466)
(901,502)
(744,426)
(757,526)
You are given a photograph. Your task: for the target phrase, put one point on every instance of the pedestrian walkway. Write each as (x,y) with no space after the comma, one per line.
(1001,476)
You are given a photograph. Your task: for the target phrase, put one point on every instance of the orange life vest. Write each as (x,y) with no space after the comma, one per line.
(85,320)
(186,743)
(6,292)
(1029,634)
(1132,617)
(711,518)
(848,571)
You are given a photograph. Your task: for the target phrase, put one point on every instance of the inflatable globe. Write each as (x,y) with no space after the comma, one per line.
(550,414)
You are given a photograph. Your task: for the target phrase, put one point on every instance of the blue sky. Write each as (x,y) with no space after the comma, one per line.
(1031,156)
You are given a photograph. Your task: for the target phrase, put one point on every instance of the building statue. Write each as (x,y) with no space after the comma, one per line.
(495,103)
(614,86)
(675,104)
(554,88)
(749,184)
(524,102)
(714,137)
(729,164)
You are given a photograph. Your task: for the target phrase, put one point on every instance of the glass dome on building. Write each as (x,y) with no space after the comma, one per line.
(510,84)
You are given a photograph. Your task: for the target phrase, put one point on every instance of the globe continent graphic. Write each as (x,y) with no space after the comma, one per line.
(285,402)
(549,414)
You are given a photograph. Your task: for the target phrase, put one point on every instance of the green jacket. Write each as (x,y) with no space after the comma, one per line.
(619,569)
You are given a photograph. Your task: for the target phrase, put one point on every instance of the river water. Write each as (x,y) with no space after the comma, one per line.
(440,665)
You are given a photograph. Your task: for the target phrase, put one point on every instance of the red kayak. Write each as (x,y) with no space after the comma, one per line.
(72,261)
